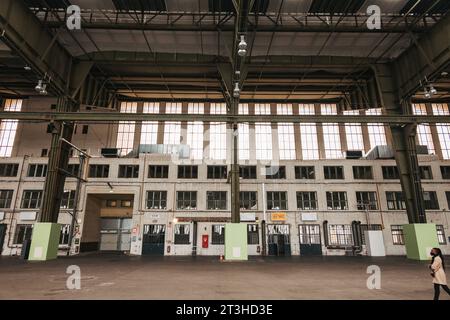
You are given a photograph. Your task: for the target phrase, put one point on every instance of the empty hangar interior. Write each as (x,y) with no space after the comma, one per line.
(152,125)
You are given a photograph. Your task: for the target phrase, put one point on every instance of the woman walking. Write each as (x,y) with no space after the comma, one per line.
(437,267)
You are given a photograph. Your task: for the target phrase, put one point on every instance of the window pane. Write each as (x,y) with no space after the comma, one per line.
(8,128)
(353,132)
(443,129)
(149,129)
(125,132)
(377,134)
(423,130)
(308,134)
(331,137)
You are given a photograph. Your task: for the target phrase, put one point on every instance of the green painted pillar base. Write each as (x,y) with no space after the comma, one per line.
(45,241)
(420,238)
(236,241)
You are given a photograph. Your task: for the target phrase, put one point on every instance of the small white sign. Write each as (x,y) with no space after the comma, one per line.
(37,252)
(2,216)
(308,216)
(28,215)
(248,216)
(236,252)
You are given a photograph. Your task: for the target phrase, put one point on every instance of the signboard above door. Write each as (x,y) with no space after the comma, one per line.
(278,216)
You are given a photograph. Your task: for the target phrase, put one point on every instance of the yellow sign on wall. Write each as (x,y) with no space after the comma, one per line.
(278,216)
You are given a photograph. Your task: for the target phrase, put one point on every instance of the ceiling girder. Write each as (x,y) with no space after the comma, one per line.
(116,116)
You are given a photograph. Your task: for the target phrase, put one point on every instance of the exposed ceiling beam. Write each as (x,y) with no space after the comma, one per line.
(115,116)
(23,32)
(429,55)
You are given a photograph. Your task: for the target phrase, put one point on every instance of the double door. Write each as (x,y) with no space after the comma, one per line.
(310,243)
(153,239)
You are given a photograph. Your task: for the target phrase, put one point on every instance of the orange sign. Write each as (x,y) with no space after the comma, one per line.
(278,216)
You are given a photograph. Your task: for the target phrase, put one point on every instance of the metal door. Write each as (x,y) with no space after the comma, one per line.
(278,239)
(115,234)
(310,243)
(2,236)
(153,239)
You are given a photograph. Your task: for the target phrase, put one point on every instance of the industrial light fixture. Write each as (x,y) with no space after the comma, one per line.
(39,87)
(242,47)
(428,89)
(237,90)
(44,90)
(27,68)
(433,90)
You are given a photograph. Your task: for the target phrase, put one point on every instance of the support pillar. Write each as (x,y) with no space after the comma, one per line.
(235,232)
(45,239)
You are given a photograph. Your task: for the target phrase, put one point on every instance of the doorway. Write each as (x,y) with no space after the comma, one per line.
(278,239)
(310,243)
(153,239)
(107,222)
(2,236)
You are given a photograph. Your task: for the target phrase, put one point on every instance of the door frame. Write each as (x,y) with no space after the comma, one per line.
(164,240)
(308,228)
(288,235)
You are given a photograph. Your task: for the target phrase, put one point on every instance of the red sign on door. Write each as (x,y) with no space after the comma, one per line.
(205,241)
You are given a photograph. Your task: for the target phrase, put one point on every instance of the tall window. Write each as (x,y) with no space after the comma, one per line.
(263,134)
(308,134)
(187,200)
(172,129)
(248,200)
(157,200)
(244,135)
(182,233)
(31,199)
(443,129)
(395,200)
(377,134)
(337,200)
(8,128)
(340,235)
(397,235)
(441,234)
(149,129)
(195,132)
(277,200)
(353,133)
(423,130)
(331,137)
(218,234)
(68,199)
(6,198)
(125,132)
(286,139)
(218,134)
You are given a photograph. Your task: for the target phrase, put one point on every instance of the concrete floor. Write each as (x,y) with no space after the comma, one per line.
(114,276)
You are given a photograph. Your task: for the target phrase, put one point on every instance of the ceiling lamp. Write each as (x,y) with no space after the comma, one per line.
(236,91)
(242,47)
(39,87)
(44,90)
(433,90)
(427,94)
